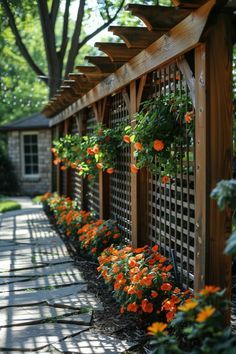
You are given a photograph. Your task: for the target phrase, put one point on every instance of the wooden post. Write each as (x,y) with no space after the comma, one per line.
(66,173)
(58,171)
(213,152)
(101,113)
(139,201)
(134,176)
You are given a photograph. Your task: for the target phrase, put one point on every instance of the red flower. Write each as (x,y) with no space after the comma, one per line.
(147,306)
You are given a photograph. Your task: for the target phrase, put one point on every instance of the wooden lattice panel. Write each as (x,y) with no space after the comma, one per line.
(171,206)
(120,181)
(76,180)
(92,187)
(54,167)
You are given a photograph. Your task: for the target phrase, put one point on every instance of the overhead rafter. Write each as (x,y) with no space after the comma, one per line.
(180,39)
(158,17)
(104,64)
(190,4)
(136,37)
(117,51)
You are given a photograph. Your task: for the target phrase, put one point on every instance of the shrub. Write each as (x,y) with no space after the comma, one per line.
(8,205)
(8,180)
(198,327)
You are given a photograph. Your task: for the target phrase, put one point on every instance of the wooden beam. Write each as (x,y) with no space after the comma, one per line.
(92,72)
(180,39)
(158,17)
(104,64)
(136,37)
(117,52)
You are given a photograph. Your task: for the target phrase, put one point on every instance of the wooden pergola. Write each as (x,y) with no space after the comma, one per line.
(196,37)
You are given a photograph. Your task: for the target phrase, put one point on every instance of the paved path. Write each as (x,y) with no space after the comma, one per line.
(44,303)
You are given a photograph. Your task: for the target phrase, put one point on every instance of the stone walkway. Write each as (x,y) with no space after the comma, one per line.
(44,303)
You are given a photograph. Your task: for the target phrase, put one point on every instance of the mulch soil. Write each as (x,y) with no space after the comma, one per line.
(109,321)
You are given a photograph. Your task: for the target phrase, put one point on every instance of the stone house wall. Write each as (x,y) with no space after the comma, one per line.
(31,185)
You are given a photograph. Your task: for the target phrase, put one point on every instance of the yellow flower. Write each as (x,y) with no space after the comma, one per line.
(187,306)
(156,327)
(205,313)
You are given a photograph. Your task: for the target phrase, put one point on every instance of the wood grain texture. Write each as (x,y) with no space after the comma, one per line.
(179,40)
(219,118)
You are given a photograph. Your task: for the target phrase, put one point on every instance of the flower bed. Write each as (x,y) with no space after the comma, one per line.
(142,282)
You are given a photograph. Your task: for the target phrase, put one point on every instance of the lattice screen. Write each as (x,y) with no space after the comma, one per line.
(120,181)
(171,206)
(76,180)
(92,187)
(54,168)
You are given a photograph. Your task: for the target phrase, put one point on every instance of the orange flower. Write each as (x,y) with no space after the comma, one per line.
(154,294)
(133,307)
(126,139)
(188,117)
(165,179)
(94,249)
(158,145)
(156,327)
(209,289)
(147,306)
(63,168)
(99,165)
(138,146)
(53,150)
(110,170)
(73,165)
(134,168)
(170,315)
(122,310)
(90,151)
(90,177)
(96,149)
(155,248)
(116,236)
(166,287)
(205,313)
(133,263)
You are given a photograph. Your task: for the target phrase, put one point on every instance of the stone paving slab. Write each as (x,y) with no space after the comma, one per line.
(25,315)
(44,304)
(36,337)
(41,271)
(79,300)
(88,343)
(44,282)
(38,296)
(18,264)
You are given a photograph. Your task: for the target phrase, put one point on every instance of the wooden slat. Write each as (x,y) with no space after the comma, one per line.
(180,39)
(158,17)
(136,37)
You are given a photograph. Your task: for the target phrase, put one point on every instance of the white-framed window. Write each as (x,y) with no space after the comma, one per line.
(30,158)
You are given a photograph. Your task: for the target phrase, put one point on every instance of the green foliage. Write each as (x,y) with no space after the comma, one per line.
(198,327)
(160,131)
(225,194)
(89,153)
(21,92)
(8,205)
(8,181)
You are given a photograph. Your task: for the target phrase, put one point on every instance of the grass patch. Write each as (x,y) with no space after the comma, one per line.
(8,205)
